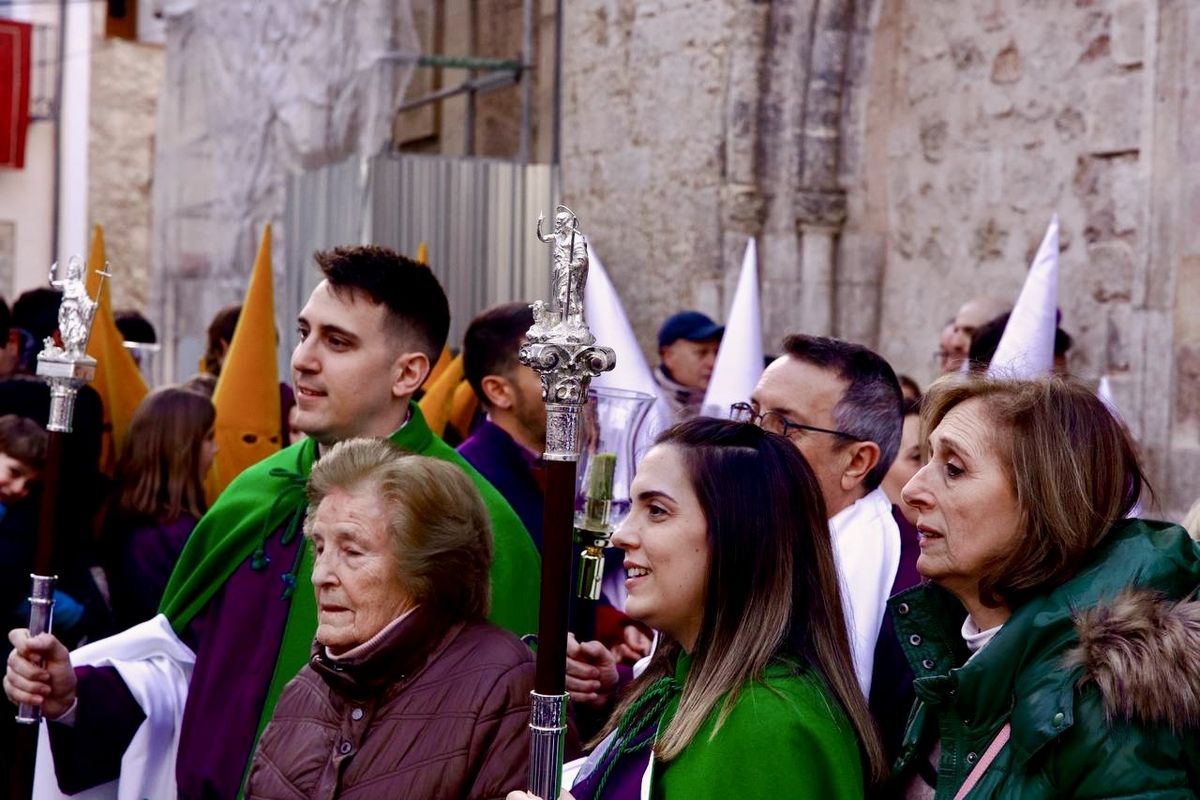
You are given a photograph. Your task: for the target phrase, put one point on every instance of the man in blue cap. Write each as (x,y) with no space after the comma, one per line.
(687,350)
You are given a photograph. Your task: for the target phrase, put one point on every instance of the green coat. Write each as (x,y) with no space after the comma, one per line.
(786,737)
(1091,697)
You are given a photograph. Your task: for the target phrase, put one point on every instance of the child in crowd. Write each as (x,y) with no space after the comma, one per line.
(22,458)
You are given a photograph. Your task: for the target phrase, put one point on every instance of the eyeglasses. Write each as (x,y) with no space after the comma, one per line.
(773,422)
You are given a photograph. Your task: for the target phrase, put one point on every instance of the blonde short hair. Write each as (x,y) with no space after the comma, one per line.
(437,520)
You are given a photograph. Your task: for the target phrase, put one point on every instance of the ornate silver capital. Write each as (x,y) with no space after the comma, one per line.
(560,345)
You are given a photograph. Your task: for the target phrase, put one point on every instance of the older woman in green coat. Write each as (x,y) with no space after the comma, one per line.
(1056,645)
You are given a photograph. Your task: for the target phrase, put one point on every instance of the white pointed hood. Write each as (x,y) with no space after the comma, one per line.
(1026,349)
(739,362)
(606,317)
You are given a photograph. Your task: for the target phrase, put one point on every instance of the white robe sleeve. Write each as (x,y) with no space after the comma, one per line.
(156,666)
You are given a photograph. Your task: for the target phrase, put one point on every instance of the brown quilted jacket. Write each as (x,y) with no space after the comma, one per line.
(431,710)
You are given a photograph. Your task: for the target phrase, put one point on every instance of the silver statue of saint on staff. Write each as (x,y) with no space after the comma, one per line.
(76,313)
(565,315)
(560,346)
(69,367)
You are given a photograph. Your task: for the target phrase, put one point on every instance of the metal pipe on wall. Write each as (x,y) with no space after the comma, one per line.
(523,150)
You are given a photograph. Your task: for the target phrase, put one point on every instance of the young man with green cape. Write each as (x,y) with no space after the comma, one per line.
(240,597)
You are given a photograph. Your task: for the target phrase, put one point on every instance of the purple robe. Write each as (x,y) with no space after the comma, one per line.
(221,718)
(144,556)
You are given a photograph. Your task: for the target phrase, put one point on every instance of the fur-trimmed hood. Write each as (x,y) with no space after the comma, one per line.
(1142,651)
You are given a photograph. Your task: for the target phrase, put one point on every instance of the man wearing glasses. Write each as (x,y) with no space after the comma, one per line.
(840,404)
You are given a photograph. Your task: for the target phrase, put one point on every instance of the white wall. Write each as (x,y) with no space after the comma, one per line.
(27,195)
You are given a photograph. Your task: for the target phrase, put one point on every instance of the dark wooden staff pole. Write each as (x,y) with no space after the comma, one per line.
(557,553)
(41,598)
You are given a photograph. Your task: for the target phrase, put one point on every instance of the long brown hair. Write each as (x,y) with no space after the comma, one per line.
(158,470)
(772,589)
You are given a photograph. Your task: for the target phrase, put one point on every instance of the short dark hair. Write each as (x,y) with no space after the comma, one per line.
(491,343)
(870,408)
(5,318)
(23,439)
(134,326)
(418,309)
(1073,467)
(37,312)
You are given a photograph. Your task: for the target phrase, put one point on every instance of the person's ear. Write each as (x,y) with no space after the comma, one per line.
(408,373)
(498,391)
(861,458)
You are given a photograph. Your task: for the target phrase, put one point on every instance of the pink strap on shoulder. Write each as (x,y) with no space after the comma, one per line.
(989,756)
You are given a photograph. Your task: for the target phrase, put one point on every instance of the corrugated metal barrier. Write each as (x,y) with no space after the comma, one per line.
(475,215)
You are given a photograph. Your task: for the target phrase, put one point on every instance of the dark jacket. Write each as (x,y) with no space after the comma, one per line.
(142,553)
(1097,678)
(512,470)
(430,709)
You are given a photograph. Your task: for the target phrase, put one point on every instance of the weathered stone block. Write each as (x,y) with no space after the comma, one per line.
(1187,301)
(1128,195)
(1115,114)
(1070,124)
(1006,66)
(1118,356)
(1110,271)
(989,240)
(1129,33)
(1190,234)
(1187,383)
(1183,488)
(933,139)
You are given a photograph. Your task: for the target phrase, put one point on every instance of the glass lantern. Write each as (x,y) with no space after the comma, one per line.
(607,461)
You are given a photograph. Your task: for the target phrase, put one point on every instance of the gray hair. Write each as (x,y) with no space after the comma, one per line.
(437,520)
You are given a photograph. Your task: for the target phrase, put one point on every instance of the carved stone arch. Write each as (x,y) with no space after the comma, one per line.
(812,59)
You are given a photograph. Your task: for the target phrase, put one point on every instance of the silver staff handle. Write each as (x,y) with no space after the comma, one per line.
(41,616)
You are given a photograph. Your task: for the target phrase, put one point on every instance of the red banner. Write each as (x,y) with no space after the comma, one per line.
(16,68)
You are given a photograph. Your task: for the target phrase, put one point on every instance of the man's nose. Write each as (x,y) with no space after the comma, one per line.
(302,357)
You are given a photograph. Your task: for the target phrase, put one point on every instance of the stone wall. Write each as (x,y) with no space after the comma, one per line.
(643,148)
(126,79)
(993,117)
(896,158)
(893,158)
(999,120)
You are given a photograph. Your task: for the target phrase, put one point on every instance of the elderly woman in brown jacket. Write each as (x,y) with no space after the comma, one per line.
(409,693)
